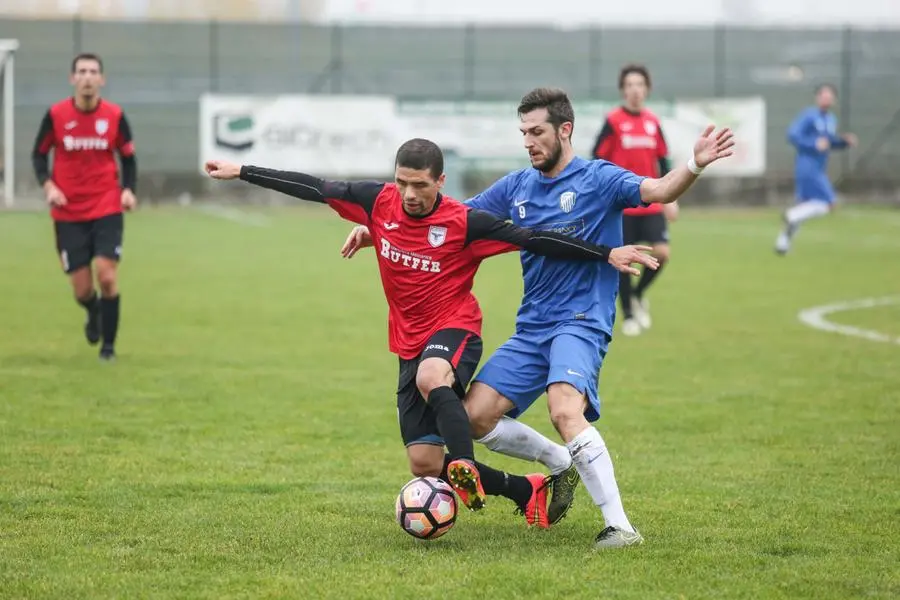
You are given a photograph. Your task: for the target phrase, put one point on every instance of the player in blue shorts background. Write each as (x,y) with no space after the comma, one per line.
(814,134)
(565,321)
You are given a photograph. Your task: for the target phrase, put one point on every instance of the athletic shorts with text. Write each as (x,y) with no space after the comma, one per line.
(462,349)
(80,242)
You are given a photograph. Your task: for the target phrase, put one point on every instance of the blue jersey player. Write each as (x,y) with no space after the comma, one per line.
(564,324)
(814,134)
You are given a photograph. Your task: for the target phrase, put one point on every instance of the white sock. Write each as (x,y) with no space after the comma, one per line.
(596,469)
(807,210)
(518,440)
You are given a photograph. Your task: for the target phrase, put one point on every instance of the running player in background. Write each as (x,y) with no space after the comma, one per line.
(632,138)
(85,194)
(814,134)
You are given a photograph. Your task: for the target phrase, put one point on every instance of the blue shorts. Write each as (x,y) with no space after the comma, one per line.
(813,186)
(523,367)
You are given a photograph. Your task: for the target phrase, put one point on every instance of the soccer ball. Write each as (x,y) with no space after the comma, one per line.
(426,508)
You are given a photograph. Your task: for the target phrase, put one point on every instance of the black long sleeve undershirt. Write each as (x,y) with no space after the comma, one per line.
(485,226)
(129,173)
(313,189)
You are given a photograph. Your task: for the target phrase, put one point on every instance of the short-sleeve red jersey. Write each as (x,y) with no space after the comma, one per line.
(634,141)
(84,144)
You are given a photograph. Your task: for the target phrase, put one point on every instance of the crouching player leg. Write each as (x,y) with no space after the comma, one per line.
(432,416)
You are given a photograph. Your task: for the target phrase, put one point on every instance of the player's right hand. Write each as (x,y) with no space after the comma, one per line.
(358,239)
(823,144)
(221,169)
(55,197)
(623,257)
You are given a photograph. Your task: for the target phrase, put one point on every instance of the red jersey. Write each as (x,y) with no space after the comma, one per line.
(84,163)
(634,141)
(427,263)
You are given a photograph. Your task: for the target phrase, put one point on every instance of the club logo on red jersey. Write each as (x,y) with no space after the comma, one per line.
(567,201)
(101,126)
(650,127)
(437,235)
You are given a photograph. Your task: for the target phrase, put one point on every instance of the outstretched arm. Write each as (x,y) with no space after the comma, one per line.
(351,200)
(488,236)
(711,147)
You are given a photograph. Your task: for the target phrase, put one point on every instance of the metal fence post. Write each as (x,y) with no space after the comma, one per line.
(719,49)
(469,62)
(337,58)
(213,55)
(77,33)
(846,86)
(594,63)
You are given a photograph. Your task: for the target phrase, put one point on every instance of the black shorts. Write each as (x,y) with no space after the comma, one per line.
(460,348)
(79,242)
(648,229)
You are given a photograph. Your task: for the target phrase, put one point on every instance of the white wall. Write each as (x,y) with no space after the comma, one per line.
(619,12)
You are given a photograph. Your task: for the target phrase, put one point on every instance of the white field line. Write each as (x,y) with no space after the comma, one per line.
(815,317)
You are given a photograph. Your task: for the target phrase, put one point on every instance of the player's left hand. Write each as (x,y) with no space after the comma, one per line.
(358,239)
(129,200)
(851,139)
(222,169)
(713,145)
(623,257)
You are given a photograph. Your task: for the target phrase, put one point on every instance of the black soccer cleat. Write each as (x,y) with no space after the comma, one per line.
(107,353)
(92,328)
(563,495)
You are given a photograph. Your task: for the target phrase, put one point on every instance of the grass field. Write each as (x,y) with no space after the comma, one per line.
(245,443)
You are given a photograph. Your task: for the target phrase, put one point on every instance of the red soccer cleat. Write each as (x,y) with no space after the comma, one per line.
(466,481)
(536,509)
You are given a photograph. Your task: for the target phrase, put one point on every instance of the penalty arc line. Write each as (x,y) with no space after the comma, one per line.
(815,317)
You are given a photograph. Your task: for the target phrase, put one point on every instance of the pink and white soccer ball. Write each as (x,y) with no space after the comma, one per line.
(426,508)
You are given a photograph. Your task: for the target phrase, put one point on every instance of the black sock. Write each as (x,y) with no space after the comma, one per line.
(90,303)
(625,294)
(452,422)
(498,483)
(647,278)
(109,309)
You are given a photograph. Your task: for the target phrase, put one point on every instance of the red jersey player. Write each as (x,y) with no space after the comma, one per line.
(633,139)
(429,248)
(85,194)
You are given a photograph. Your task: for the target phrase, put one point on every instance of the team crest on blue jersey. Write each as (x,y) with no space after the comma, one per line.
(567,201)
(437,235)
(102,126)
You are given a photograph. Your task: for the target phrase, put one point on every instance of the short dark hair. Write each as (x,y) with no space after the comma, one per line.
(87,56)
(826,85)
(419,154)
(555,100)
(631,69)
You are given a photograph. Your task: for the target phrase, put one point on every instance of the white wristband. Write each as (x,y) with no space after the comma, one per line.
(692,166)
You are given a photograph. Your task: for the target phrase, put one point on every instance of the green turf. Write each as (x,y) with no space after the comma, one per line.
(245,445)
(884,319)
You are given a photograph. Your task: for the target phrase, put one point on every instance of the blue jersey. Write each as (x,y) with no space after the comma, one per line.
(586,201)
(810,125)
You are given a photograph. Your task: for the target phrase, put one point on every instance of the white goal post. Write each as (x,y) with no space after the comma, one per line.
(7,78)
